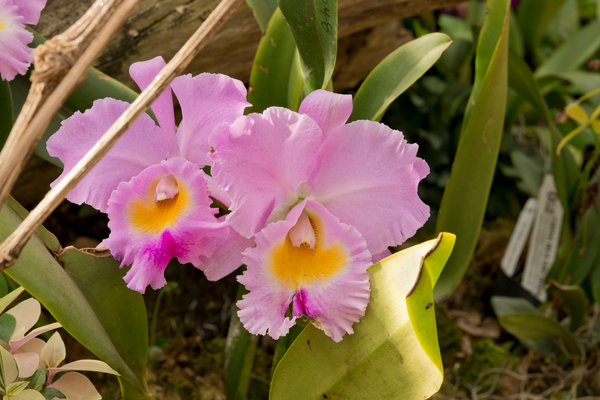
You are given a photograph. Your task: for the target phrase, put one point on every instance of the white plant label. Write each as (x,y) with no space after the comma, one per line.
(544,240)
(519,238)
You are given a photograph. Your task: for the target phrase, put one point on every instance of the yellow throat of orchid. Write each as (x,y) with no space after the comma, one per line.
(161,206)
(295,263)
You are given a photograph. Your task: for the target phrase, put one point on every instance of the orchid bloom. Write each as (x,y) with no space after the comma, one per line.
(15,55)
(150,183)
(333,197)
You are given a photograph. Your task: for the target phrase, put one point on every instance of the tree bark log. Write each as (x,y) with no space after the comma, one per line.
(368,31)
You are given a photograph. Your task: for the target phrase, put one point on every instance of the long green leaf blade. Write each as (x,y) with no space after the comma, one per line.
(314,26)
(275,78)
(396,73)
(534,16)
(263,10)
(465,198)
(390,355)
(573,53)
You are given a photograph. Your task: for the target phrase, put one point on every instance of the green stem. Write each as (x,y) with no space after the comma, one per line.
(155,316)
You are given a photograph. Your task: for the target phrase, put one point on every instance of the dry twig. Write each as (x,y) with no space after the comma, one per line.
(77,47)
(12,246)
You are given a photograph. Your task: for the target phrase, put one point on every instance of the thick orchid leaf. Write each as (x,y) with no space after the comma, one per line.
(314,26)
(47,237)
(285,342)
(101,282)
(521,319)
(396,73)
(492,48)
(465,198)
(20,88)
(86,295)
(9,298)
(263,10)
(6,111)
(573,53)
(516,42)
(576,301)
(394,351)
(276,78)
(534,16)
(239,355)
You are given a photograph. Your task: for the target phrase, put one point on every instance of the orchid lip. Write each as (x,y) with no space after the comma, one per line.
(167,188)
(303,233)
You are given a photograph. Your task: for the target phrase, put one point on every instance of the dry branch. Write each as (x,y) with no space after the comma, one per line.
(12,246)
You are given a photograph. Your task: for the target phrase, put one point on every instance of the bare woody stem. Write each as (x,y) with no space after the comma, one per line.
(12,246)
(78,46)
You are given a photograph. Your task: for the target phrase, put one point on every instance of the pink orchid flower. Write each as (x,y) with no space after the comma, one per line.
(150,183)
(15,55)
(333,197)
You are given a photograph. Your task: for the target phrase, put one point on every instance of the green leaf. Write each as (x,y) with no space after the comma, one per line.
(534,16)
(15,388)
(7,327)
(51,393)
(97,85)
(573,53)
(37,380)
(285,342)
(390,355)
(396,73)
(6,111)
(47,237)
(263,10)
(314,26)
(521,319)
(239,355)
(466,194)
(87,296)
(9,371)
(276,78)
(491,48)
(30,394)
(576,301)
(515,40)
(9,298)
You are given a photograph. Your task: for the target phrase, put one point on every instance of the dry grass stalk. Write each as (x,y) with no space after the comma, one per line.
(51,80)
(12,246)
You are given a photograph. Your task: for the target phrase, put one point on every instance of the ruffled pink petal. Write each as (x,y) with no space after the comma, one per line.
(368,177)
(15,56)
(30,10)
(148,234)
(329,110)
(143,73)
(332,288)
(143,145)
(216,192)
(260,160)
(206,101)
(227,256)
